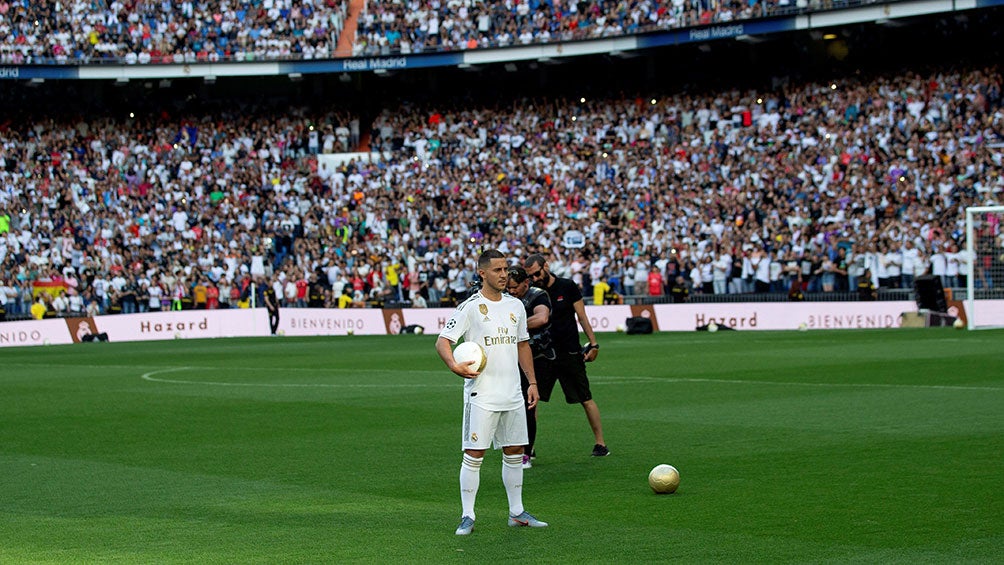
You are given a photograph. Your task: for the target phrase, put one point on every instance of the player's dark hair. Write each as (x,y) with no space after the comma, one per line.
(485,259)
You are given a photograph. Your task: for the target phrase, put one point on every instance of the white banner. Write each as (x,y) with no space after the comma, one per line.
(987,313)
(34,332)
(190,324)
(324,321)
(186,324)
(783,315)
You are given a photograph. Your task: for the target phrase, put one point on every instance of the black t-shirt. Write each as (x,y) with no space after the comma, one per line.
(270,299)
(672,269)
(680,292)
(564,293)
(536,297)
(128,293)
(315,295)
(541,341)
(866,290)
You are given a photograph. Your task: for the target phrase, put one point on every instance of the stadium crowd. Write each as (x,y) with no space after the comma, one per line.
(415,26)
(137,31)
(140,32)
(817,187)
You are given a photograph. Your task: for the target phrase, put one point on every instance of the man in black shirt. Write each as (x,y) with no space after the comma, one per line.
(568,312)
(315,292)
(680,291)
(866,289)
(271,304)
(537,304)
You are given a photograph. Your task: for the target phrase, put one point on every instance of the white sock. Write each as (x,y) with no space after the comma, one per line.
(512,478)
(470,479)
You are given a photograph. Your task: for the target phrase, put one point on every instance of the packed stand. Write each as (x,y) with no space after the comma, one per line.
(817,188)
(823,188)
(140,32)
(135,31)
(416,26)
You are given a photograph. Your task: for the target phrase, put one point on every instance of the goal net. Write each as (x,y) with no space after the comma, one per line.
(984,266)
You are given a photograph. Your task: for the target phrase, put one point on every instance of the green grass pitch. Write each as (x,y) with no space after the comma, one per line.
(878,446)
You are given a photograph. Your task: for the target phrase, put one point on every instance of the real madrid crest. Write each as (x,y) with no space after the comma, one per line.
(513,318)
(483,308)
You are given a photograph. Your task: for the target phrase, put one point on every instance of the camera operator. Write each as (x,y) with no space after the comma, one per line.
(568,312)
(538,322)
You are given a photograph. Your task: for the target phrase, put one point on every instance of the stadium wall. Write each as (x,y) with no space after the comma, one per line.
(197,324)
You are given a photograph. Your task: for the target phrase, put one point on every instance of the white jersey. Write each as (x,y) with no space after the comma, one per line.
(497,327)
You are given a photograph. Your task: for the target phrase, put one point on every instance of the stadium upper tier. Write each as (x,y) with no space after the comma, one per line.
(80,32)
(413,27)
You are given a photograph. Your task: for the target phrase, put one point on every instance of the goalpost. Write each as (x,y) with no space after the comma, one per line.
(985,266)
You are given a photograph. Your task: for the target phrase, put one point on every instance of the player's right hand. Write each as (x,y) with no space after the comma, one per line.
(465,370)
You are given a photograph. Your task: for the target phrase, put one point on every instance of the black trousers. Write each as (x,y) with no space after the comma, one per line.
(273,319)
(531,413)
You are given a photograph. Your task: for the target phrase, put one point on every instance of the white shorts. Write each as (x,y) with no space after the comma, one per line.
(485,428)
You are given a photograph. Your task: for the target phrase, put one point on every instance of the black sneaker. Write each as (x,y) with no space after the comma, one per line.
(600,450)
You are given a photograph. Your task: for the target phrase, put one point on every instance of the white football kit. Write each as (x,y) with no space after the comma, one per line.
(494,411)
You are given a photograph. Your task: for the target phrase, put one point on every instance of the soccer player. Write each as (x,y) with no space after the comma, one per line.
(570,366)
(538,321)
(494,411)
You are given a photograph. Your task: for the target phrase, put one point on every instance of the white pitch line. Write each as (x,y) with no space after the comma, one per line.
(149,377)
(782,383)
(213,368)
